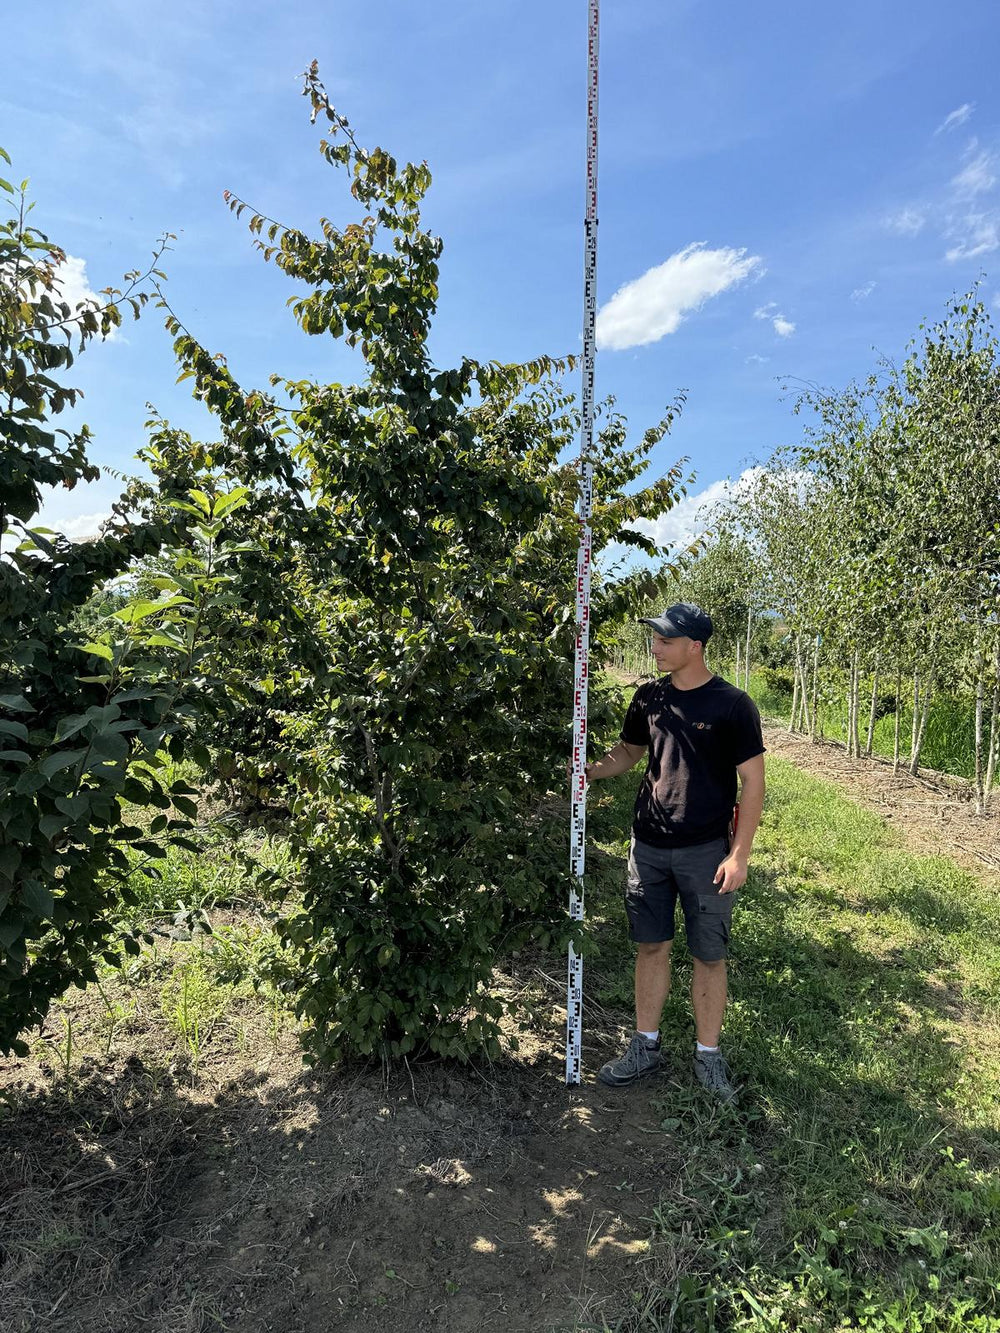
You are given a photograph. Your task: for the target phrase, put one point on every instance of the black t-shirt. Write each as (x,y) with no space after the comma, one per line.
(695,738)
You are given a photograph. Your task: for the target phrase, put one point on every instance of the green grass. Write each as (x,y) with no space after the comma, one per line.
(221,874)
(856,1184)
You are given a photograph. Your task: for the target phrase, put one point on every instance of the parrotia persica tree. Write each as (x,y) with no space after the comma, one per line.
(420,634)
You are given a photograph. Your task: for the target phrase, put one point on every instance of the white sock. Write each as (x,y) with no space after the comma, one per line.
(651,1036)
(698,1046)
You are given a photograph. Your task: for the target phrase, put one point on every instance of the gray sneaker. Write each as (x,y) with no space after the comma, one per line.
(641,1058)
(712,1072)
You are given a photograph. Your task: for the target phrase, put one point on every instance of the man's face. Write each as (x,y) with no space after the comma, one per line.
(670,654)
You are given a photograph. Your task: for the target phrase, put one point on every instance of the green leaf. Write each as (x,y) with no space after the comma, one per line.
(69,726)
(134,791)
(109,744)
(97,650)
(29,782)
(11,929)
(74,806)
(51,825)
(52,763)
(16,703)
(226,503)
(37,898)
(17,729)
(150,849)
(138,610)
(161,640)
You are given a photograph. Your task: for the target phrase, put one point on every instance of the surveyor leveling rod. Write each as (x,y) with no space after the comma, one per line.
(578,801)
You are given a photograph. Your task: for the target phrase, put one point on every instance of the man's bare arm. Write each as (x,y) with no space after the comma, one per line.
(619,759)
(751,805)
(732,872)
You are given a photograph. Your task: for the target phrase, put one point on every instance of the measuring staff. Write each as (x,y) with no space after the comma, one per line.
(578,790)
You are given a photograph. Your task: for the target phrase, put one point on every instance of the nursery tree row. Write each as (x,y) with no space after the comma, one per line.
(875,543)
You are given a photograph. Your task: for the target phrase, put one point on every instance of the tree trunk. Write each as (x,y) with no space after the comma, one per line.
(918,743)
(980,769)
(808,704)
(895,730)
(853,743)
(916,713)
(991,761)
(746,663)
(871,711)
(737,672)
(814,710)
(850,701)
(807,717)
(795,687)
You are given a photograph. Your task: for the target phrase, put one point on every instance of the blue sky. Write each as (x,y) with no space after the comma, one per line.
(783,188)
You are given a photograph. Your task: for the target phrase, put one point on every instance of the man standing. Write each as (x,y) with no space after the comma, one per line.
(696,732)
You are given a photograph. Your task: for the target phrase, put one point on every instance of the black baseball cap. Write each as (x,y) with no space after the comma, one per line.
(682,620)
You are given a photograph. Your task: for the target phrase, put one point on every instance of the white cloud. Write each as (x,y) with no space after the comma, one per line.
(691,516)
(907,222)
(959,213)
(977,177)
(71,279)
(783,327)
(650,307)
(976,234)
(81,527)
(863,293)
(957,117)
(73,286)
(77,527)
(754,360)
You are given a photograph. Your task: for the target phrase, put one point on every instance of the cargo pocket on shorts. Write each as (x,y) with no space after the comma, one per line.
(715,913)
(633,887)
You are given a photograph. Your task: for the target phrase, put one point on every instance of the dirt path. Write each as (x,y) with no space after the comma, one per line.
(932,812)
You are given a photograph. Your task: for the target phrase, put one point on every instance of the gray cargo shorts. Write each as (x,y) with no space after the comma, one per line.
(658,876)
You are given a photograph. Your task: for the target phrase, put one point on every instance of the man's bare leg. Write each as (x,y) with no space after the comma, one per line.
(708,999)
(652,984)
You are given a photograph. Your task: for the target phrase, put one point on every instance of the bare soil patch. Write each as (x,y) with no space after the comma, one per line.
(933,812)
(254,1195)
